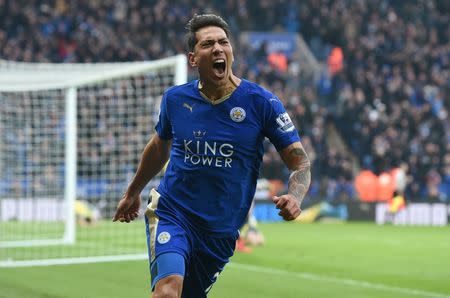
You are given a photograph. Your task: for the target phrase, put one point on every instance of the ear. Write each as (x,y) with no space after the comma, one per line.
(192,59)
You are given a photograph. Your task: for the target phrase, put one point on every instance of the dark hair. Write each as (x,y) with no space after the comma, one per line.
(199,21)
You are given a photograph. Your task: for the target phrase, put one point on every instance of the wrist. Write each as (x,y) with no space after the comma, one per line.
(296,197)
(132,192)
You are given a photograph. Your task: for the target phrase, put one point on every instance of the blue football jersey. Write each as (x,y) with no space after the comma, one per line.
(216,153)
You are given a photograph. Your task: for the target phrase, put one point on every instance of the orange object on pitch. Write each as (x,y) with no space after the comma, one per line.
(241,247)
(385,187)
(366,186)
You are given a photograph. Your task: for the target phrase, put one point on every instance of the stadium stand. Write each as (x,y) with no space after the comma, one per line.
(385,85)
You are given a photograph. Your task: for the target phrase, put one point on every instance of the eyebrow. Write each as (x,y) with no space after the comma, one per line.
(211,39)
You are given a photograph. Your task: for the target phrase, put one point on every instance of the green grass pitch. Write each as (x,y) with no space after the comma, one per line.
(298,260)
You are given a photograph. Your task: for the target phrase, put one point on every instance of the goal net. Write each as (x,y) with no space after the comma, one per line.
(71,136)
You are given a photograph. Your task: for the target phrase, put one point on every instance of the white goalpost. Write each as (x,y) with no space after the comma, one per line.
(71,136)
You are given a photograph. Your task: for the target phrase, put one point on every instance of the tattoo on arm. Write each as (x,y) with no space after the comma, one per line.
(301,177)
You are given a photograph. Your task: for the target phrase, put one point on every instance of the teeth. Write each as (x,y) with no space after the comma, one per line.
(219,61)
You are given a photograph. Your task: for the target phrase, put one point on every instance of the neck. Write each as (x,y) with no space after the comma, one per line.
(215,92)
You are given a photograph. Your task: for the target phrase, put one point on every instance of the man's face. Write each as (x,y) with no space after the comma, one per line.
(213,55)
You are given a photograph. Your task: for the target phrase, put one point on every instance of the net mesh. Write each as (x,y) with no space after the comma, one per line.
(115,119)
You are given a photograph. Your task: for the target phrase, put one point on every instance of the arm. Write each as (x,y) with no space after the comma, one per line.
(155,155)
(296,159)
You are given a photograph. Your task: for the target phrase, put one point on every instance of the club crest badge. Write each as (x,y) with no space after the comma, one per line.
(163,237)
(237,114)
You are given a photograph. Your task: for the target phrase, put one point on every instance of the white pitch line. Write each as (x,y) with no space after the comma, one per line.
(73,261)
(337,280)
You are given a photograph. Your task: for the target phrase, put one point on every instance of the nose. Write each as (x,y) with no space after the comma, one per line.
(217,48)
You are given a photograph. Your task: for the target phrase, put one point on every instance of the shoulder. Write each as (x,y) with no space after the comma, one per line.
(259,93)
(180,90)
(257,90)
(262,97)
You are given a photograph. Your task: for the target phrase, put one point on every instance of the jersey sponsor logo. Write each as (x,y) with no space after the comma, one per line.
(237,114)
(163,237)
(188,106)
(285,123)
(211,154)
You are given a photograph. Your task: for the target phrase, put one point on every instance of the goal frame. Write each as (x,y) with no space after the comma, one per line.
(105,72)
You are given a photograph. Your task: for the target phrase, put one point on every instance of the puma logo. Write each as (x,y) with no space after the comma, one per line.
(187,106)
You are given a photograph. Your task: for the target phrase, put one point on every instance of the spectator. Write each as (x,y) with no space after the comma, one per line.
(388,95)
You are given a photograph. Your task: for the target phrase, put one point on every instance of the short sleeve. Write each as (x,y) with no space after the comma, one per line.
(164,127)
(278,126)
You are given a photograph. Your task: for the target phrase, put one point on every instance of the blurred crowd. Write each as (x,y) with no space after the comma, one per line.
(389,99)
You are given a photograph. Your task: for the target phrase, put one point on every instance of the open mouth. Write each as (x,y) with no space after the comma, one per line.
(219,66)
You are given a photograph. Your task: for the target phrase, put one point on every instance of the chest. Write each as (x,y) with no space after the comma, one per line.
(211,126)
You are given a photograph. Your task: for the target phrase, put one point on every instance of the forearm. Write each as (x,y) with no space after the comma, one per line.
(154,157)
(297,160)
(300,180)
